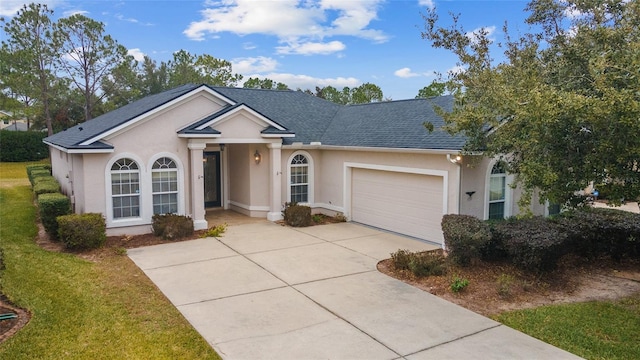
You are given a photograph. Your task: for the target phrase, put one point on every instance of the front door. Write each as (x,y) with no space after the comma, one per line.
(212,194)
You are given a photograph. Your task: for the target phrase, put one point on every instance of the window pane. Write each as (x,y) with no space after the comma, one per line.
(496,210)
(497,188)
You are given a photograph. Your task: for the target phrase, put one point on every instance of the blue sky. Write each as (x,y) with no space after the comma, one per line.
(302,43)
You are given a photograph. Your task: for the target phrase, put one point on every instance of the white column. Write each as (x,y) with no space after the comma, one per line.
(275,168)
(197,185)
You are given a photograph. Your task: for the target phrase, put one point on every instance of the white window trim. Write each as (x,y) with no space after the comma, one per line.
(131,221)
(310,176)
(180,168)
(508,191)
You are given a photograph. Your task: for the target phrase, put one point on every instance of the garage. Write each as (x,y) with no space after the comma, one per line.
(405,202)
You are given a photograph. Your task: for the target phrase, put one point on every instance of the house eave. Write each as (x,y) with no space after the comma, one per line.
(373,149)
(200,136)
(79,151)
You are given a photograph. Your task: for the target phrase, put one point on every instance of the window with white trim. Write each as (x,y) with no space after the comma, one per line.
(164,184)
(497,191)
(299,172)
(125,188)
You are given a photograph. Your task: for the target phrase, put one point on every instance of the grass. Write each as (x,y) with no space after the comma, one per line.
(593,330)
(80,309)
(12,174)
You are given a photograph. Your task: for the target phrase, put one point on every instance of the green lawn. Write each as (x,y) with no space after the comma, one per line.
(593,330)
(80,309)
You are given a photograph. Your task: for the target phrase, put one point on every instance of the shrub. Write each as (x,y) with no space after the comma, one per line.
(51,206)
(17,146)
(534,244)
(172,226)
(427,263)
(504,283)
(458,284)
(464,237)
(601,231)
(400,259)
(82,231)
(215,231)
(297,215)
(35,174)
(317,218)
(420,264)
(45,184)
(494,249)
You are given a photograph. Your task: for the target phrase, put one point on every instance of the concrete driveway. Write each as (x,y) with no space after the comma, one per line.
(266,291)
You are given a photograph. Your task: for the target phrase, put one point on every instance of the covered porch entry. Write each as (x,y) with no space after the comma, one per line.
(244,177)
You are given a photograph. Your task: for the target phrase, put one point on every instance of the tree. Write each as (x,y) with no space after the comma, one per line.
(88,56)
(436,88)
(362,94)
(29,54)
(123,85)
(563,108)
(155,79)
(257,83)
(366,93)
(186,68)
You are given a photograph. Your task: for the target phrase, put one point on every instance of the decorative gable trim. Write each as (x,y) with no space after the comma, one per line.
(201,88)
(241,107)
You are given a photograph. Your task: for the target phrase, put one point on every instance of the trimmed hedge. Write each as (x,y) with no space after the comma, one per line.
(297,215)
(172,226)
(601,231)
(17,146)
(465,236)
(534,244)
(45,184)
(51,206)
(35,174)
(82,231)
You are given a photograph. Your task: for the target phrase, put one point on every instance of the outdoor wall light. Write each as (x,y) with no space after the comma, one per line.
(470,194)
(257,157)
(454,159)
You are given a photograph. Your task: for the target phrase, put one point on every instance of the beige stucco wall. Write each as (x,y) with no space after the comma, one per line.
(475,175)
(144,142)
(329,172)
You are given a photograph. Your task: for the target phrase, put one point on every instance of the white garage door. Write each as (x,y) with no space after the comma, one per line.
(402,202)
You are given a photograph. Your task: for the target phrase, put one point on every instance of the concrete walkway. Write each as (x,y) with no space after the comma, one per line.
(264,291)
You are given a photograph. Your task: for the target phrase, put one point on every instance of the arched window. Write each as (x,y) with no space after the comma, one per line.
(125,188)
(299,176)
(164,175)
(497,191)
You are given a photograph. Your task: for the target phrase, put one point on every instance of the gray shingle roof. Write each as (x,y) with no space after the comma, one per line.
(395,124)
(72,138)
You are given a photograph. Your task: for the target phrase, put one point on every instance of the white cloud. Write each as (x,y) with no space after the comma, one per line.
(428,3)
(311,48)
(136,53)
(249,46)
(303,82)
(456,70)
(10,7)
(122,18)
(292,21)
(405,73)
(69,13)
(258,64)
(488,30)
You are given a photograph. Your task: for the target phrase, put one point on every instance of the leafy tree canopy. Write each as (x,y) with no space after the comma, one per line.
(436,88)
(362,94)
(268,84)
(563,108)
